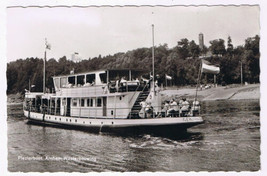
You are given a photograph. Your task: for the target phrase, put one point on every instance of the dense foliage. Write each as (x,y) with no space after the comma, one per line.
(181,62)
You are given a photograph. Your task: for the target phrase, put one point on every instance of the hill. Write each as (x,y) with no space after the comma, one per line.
(181,62)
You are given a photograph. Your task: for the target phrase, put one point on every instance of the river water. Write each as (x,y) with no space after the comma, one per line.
(229,140)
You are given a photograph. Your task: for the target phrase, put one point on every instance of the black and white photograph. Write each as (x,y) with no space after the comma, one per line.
(127,88)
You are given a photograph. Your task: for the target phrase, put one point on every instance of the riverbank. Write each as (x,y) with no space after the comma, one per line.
(236,92)
(14,99)
(251,91)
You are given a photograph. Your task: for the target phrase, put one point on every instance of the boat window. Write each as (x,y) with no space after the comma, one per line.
(80,80)
(90,102)
(118,74)
(90,78)
(82,102)
(71,80)
(63,82)
(103,77)
(99,102)
(74,102)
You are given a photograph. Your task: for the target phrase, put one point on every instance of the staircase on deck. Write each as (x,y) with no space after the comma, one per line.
(134,114)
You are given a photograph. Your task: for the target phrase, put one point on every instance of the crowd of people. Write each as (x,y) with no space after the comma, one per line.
(171,109)
(181,109)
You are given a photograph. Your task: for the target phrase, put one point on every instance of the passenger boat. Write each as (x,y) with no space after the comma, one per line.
(104,100)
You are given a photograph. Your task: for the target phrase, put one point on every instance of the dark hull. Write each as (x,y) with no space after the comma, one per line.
(136,130)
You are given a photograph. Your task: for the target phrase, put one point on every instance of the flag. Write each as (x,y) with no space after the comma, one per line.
(168,77)
(207,67)
(47,45)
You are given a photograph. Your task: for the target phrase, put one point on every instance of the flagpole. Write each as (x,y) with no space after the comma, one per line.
(241,70)
(198,80)
(153,69)
(44,72)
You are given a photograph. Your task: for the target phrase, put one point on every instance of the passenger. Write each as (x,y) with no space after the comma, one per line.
(137,81)
(93,83)
(148,110)
(117,85)
(123,81)
(180,103)
(142,113)
(165,109)
(185,108)
(105,90)
(195,110)
(86,84)
(173,110)
(144,80)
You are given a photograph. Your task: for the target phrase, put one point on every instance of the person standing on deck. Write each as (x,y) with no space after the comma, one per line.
(142,113)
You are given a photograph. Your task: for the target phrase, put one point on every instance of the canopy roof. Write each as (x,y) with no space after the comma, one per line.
(103,71)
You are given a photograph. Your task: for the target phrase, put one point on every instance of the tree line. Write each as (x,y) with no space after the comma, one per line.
(182,62)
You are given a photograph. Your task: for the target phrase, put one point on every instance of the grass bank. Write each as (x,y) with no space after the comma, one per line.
(232,92)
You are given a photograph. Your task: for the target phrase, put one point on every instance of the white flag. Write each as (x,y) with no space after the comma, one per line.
(47,45)
(168,77)
(207,67)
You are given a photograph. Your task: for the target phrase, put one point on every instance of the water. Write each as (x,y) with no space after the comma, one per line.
(229,140)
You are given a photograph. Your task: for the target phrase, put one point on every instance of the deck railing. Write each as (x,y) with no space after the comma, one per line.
(97,112)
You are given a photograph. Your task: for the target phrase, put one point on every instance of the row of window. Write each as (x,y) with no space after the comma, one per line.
(79,79)
(87,102)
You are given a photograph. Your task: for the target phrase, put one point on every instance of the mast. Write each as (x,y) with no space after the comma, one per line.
(47,46)
(44,72)
(153,67)
(198,79)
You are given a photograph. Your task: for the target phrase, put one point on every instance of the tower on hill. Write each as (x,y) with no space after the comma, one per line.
(201,41)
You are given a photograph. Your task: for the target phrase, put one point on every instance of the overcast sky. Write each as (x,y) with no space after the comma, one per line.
(107,30)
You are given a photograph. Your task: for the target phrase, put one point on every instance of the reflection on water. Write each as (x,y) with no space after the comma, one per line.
(229,140)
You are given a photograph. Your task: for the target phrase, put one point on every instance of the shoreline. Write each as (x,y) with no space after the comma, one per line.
(246,92)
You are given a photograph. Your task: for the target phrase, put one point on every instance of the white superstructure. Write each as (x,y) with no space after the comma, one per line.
(104,98)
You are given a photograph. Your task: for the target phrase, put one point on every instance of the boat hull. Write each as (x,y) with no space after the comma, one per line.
(153,125)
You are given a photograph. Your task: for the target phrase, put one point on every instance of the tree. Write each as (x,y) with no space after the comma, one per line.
(252,57)
(171,61)
(217,47)
(182,48)
(194,49)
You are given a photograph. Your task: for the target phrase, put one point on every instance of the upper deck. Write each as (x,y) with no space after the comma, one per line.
(99,82)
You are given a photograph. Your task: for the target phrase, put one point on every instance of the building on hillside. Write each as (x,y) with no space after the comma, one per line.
(75,57)
(201,41)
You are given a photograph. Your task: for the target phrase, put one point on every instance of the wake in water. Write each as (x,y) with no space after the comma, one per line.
(186,140)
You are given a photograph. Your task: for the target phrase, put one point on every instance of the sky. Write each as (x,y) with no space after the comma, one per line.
(94,31)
